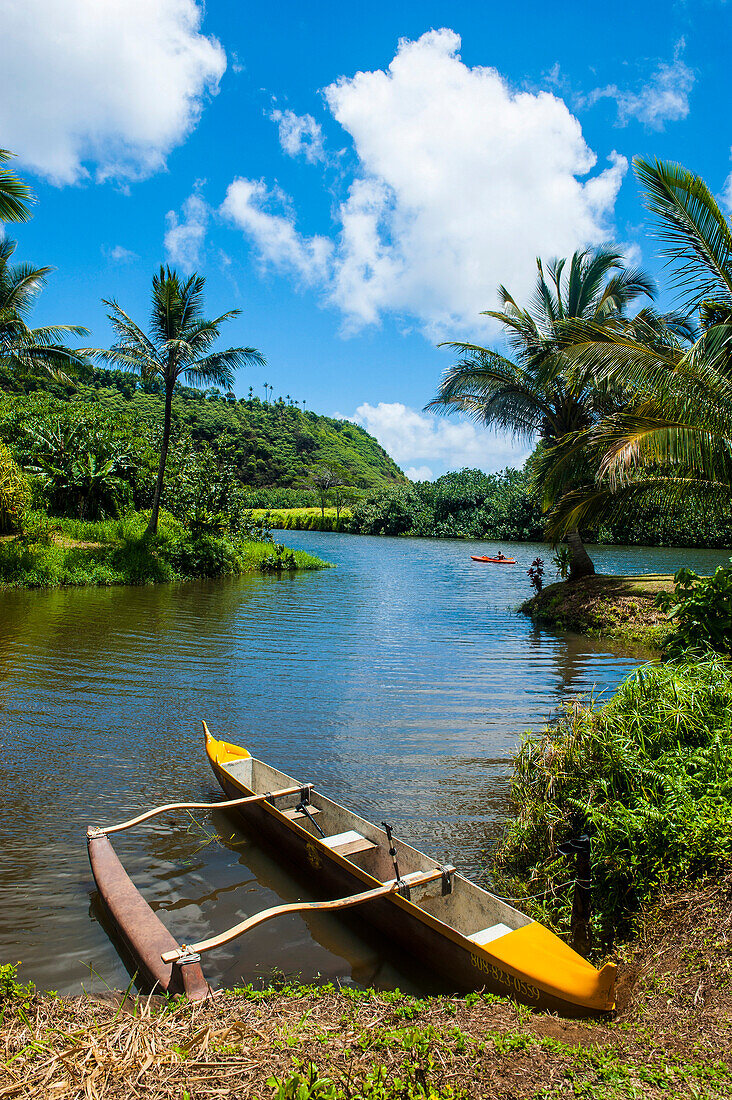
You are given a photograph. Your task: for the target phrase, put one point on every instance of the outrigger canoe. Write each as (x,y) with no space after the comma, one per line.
(471,938)
(494,561)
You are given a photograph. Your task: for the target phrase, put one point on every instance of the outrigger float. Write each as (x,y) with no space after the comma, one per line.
(471,938)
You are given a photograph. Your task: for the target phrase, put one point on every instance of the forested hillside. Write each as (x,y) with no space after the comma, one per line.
(265,444)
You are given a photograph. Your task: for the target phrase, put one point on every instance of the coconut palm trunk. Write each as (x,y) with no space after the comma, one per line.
(152,527)
(580,562)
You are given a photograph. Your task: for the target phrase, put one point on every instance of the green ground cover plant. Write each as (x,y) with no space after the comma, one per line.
(648,775)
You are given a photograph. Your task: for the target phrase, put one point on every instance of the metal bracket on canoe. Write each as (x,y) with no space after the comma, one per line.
(448,873)
(415,879)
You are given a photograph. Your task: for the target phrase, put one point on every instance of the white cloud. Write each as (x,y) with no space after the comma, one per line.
(424,442)
(184,237)
(274,234)
(299,134)
(662,98)
(460,182)
(117,83)
(119,254)
(419,473)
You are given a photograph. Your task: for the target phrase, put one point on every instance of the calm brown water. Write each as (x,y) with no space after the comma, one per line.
(398,683)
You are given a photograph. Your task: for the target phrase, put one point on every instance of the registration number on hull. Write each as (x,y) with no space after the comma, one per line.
(516,985)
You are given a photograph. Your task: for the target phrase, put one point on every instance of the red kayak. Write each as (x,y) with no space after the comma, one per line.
(495,561)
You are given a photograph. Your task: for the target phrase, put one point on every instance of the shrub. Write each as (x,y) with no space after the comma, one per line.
(535,573)
(205,556)
(702,610)
(14,492)
(648,776)
(280,558)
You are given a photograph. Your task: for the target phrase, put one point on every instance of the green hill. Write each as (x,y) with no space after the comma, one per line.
(267,445)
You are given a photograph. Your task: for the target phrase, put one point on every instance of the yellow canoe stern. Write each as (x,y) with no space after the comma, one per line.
(538,958)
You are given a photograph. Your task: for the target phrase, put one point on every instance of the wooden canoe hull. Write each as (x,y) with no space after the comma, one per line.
(463,967)
(142,932)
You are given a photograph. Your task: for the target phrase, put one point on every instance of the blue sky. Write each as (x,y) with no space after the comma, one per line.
(357,179)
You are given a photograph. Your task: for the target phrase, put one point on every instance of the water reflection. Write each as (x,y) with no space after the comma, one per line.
(398,682)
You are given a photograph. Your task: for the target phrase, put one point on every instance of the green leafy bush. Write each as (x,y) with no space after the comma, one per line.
(648,776)
(14,492)
(701,608)
(280,558)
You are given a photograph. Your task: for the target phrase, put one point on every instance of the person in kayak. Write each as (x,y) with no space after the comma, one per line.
(500,556)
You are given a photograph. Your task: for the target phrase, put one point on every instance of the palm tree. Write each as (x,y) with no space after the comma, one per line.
(538,394)
(178,345)
(23,348)
(675,438)
(15,196)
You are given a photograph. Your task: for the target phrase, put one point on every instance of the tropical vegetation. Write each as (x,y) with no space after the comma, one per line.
(24,349)
(179,344)
(540,394)
(648,776)
(670,439)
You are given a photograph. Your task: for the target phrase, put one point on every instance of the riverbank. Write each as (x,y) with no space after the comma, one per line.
(671,1035)
(613,607)
(55,552)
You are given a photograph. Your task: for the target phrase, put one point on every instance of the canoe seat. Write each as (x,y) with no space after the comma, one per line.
(487,934)
(294,814)
(349,843)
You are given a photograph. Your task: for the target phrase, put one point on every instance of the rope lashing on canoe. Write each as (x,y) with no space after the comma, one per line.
(418,878)
(94,831)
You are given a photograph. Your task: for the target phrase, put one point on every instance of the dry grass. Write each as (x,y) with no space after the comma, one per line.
(672,1036)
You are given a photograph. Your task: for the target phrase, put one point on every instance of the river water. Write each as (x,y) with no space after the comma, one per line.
(398,683)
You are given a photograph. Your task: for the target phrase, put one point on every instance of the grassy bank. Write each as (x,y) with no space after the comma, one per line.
(52,552)
(622,608)
(304,519)
(671,1036)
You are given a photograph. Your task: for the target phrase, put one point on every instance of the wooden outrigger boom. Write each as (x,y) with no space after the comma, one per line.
(472,938)
(298,907)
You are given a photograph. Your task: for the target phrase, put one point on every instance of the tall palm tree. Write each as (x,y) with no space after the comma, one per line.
(537,394)
(178,345)
(674,439)
(15,196)
(23,348)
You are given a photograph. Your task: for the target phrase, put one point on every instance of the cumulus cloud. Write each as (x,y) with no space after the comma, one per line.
(423,443)
(119,255)
(299,134)
(662,98)
(249,205)
(185,236)
(116,84)
(459,182)
(419,473)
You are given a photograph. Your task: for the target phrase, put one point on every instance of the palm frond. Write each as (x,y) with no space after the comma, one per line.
(697,236)
(16,197)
